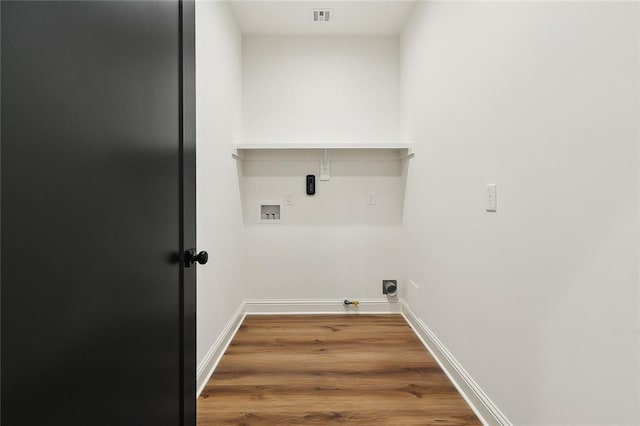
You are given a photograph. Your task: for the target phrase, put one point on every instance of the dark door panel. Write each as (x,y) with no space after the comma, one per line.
(91,303)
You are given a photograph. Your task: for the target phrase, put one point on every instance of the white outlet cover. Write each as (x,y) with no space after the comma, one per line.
(492,197)
(371,198)
(325,170)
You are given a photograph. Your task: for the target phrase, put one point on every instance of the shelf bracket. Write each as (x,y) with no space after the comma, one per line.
(325,166)
(409,155)
(235,153)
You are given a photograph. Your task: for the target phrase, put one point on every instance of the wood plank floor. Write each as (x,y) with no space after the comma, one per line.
(329,369)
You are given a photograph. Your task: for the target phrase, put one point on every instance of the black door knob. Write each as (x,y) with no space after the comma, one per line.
(202,257)
(190,257)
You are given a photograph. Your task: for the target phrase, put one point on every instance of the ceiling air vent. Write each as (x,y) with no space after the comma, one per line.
(321,15)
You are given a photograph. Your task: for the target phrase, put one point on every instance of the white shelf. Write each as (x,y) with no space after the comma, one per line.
(406,149)
(314,145)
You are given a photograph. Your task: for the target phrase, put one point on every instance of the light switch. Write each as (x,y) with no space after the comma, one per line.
(492,198)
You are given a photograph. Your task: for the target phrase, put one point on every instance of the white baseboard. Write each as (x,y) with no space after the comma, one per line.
(293,306)
(213,356)
(484,408)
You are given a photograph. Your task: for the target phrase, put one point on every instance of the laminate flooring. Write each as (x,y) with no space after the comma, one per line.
(329,369)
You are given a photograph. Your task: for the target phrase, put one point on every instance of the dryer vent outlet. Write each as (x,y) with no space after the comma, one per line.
(390,287)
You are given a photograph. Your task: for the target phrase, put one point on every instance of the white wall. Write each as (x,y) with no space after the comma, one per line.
(539,301)
(333,89)
(221,285)
(321,89)
(330,245)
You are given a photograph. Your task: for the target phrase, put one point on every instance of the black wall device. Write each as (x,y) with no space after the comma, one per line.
(311,184)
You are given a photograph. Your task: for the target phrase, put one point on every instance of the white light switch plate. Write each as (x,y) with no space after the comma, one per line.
(492,198)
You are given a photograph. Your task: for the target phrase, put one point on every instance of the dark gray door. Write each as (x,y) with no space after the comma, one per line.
(97,201)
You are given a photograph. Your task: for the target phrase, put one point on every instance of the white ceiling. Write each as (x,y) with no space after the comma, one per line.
(294,17)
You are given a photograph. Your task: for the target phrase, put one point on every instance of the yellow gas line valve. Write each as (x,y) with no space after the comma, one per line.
(352,302)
